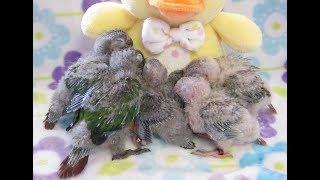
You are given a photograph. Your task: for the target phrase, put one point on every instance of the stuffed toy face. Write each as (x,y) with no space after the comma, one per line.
(174,31)
(175,12)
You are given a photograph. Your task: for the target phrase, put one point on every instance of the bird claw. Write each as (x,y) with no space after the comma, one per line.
(138,142)
(273,110)
(130,152)
(261,142)
(218,153)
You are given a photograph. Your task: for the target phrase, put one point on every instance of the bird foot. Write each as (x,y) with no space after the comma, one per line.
(218,153)
(129,152)
(138,142)
(273,110)
(67,171)
(49,125)
(261,142)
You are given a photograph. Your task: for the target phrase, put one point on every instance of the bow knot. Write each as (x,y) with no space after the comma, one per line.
(157,35)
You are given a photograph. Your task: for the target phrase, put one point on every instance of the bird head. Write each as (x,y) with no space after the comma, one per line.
(112,41)
(127,63)
(205,67)
(154,72)
(192,89)
(128,57)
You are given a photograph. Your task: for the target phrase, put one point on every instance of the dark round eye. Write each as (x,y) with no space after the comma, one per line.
(120,40)
(139,56)
(138,140)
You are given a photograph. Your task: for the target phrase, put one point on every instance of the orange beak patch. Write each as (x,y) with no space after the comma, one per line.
(178,6)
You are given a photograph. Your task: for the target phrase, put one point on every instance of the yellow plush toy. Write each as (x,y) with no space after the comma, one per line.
(174,31)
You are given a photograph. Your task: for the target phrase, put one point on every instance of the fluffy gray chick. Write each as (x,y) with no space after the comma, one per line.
(80,73)
(211,112)
(100,108)
(160,114)
(124,63)
(111,41)
(84,69)
(238,77)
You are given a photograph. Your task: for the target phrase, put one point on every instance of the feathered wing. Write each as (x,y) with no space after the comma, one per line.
(242,80)
(116,113)
(95,125)
(81,94)
(79,80)
(219,118)
(154,110)
(82,82)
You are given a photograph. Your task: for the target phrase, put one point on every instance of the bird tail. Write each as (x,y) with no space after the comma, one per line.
(74,164)
(76,154)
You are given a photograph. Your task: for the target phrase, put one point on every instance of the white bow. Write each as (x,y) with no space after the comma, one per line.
(157,35)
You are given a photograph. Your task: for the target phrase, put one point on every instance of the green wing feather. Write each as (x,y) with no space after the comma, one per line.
(117,116)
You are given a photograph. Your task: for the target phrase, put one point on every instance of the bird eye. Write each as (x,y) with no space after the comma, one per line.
(139,56)
(120,40)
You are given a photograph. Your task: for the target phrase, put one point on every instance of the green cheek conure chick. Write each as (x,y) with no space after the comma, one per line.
(213,113)
(104,100)
(104,107)
(84,70)
(160,114)
(237,77)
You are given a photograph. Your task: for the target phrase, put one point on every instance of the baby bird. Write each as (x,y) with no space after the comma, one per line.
(212,113)
(239,79)
(102,105)
(85,69)
(80,74)
(160,114)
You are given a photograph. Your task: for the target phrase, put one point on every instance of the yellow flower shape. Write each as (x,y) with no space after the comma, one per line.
(227,163)
(39,97)
(276,162)
(171,157)
(114,168)
(45,162)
